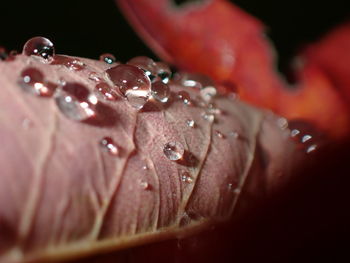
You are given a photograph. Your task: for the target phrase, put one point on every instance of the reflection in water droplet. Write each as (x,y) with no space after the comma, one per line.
(294,132)
(174,151)
(208,117)
(69,62)
(186,177)
(39,46)
(185,97)
(132,83)
(108,58)
(219,134)
(311,148)
(208,93)
(190,123)
(306,138)
(108,145)
(163,72)
(32,81)
(75,101)
(95,77)
(160,91)
(107,92)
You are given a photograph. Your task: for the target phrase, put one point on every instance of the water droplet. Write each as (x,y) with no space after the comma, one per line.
(174,151)
(311,148)
(75,101)
(208,93)
(190,123)
(95,77)
(107,92)
(185,97)
(208,117)
(186,177)
(160,91)
(32,81)
(69,62)
(306,138)
(108,58)
(219,134)
(108,145)
(145,186)
(39,46)
(146,64)
(163,72)
(132,83)
(294,132)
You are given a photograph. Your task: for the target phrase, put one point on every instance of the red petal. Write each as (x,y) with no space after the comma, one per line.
(222,41)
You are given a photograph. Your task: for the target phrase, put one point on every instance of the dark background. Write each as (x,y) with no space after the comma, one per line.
(89,28)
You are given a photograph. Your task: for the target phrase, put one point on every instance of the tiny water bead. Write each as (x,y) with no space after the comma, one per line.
(186,177)
(208,93)
(75,101)
(145,186)
(108,58)
(132,83)
(160,91)
(190,123)
(107,91)
(220,134)
(39,46)
(174,151)
(208,117)
(32,80)
(304,135)
(185,97)
(109,146)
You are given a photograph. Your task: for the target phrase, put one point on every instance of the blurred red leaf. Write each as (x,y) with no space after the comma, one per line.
(218,39)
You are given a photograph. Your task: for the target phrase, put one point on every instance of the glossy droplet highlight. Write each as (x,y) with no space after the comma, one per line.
(109,146)
(94,76)
(146,64)
(208,117)
(163,72)
(185,97)
(311,148)
(219,134)
(32,80)
(107,91)
(108,58)
(174,151)
(75,101)
(208,93)
(190,123)
(132,83)
(186,177)
(160,91)
(39,46)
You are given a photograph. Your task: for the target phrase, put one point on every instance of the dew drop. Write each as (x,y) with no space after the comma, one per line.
(185,97)
(306,138)
(108,58)
(208,117)
(39,46)
(132,83)
(190,123)
(186,177)
(208,93)
(146,64)
(75,101)
(109,146)
(32,81)
(160,91)
(311,148)
(294,132)
(94,76)
(174,151)
(69,62)
(107,92)
(219,134)
(163,72)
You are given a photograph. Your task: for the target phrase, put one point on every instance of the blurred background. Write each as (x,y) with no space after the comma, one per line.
(89,28)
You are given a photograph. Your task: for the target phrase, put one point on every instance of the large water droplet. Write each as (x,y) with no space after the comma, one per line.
(75,101)
(108,92)
(108,58)
(174,151)
(39,46)
(185,97)
(160,91)
(32,80)
(69,62)
(208,93)
(146,64)
(108,145)
(132,83)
